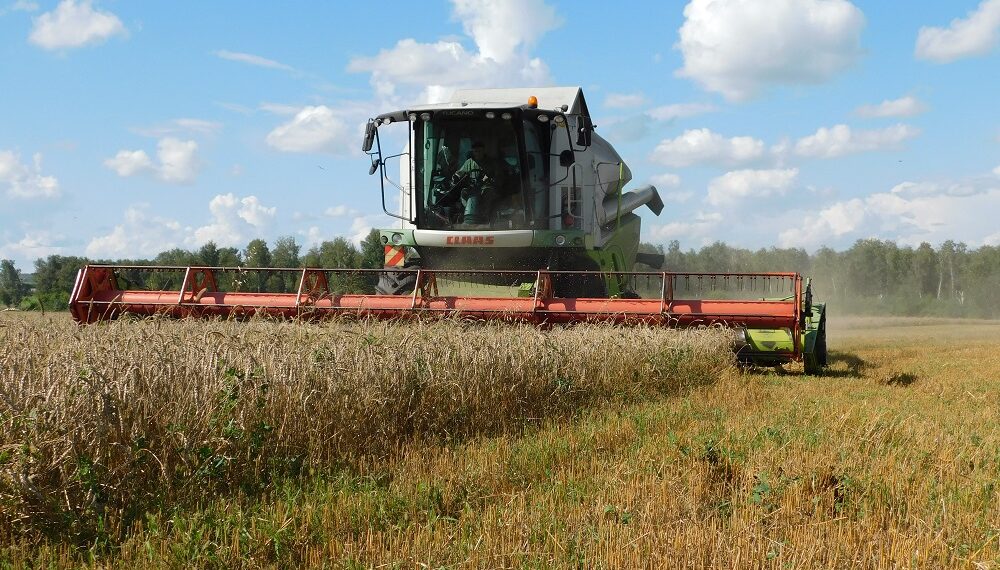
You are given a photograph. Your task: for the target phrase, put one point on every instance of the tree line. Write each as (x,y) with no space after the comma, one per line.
(872,276)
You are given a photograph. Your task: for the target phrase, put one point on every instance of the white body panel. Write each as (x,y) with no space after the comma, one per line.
(486,238)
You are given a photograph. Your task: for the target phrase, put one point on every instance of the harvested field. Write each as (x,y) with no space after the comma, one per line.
(483,446)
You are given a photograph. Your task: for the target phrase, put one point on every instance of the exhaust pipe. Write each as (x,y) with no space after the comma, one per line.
(630,201)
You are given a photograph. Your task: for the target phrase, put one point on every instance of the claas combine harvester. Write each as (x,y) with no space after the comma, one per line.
(511,208)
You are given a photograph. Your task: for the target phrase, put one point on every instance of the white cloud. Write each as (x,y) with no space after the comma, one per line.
(738,184)
(24,181)
(181,126)
(252,59)
(702,146)
(666,184)
(74,24)
(20,6)
(666,180)
(977,34)
(313,129)
(503,32)
(624,100)
(130,162)
(34,245)
(739,47)
(909,213)
(501,27)
(902,107)
(678,196)
(996,171)
(340,211)
(235,220)
(680,111)
(178,161)
(361,226)
(139,235)
(700,227)
(840,140)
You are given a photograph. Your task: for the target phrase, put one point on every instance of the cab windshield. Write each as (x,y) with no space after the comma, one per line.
(473,173)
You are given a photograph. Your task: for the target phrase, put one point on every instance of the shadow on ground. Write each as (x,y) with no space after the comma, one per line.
(840,365)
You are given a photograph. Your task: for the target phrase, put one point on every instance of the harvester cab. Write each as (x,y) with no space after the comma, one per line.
(505,179)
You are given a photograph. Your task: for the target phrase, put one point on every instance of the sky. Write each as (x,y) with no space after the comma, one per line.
(129,128)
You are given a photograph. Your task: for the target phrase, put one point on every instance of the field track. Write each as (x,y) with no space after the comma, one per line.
(891,460)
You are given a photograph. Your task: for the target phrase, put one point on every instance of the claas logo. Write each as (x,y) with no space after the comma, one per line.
(470,240)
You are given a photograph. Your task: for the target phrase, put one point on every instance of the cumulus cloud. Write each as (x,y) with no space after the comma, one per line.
(902,107)
(740,47)
(130,162)
(252,59)
(361,225)
(680,111)
(977,34)
(33,245)
(739,184)
(140,234)
(700,227)
(234,221)
(313,129)
(996,171)
(840,140)
(666,180)
(178,161)
(25,181)
(702,146)
(500,28)
(909,213)
(502,35)
(74,24)
(624,100)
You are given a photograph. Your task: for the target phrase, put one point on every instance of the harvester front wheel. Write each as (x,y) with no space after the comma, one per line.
(815,361)
(396,283)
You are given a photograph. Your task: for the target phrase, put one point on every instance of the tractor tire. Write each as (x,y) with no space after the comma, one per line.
(816,361)
(396,283)
(579,286)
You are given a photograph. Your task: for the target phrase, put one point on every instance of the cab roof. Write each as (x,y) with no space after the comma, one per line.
(549,98)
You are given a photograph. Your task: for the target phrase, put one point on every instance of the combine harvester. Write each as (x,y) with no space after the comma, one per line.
(512,208)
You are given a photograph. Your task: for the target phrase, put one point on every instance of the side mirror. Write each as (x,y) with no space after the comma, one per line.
(369,136)
(585,127)
(374,167)
(566,158)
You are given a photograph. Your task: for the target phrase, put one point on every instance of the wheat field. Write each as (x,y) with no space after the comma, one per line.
(451,444)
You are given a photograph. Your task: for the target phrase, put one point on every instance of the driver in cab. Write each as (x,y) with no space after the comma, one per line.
(478,179)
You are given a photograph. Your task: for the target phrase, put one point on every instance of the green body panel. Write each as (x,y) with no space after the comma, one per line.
(541,238)
(774,346)
(618,254)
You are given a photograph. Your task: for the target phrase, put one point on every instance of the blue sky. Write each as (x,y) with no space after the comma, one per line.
(127,128)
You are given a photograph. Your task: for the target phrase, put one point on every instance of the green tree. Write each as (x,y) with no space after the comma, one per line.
(338,254)
(208,255)
(256,254)
(285,255)
(12,289)
(372,251)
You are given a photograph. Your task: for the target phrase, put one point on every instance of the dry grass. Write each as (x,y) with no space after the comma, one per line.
(890,461)
(105,423)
